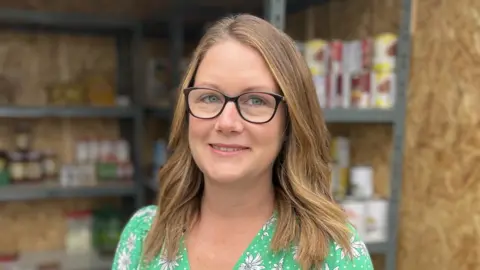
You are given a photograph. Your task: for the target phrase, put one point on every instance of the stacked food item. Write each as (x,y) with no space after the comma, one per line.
(96,160)
(353,74)
(353,188)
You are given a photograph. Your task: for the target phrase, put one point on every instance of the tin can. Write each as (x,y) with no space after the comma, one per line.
(316,55)
(385,52)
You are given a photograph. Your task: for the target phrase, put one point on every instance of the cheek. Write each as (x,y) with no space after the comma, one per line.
(197,130)
(271,136)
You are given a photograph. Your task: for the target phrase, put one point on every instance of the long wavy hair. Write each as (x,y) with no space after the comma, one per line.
(307,214)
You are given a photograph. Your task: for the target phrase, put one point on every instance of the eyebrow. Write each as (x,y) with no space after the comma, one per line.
(246,90)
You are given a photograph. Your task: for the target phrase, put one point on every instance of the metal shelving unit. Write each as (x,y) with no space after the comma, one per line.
(275,11)
(33,192)
(128,34)
(359,116)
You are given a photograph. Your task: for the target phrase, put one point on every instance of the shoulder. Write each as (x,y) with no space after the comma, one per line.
(338,258)
(141,220)
(129,248)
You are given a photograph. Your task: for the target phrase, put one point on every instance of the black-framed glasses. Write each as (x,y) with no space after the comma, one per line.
(253,107)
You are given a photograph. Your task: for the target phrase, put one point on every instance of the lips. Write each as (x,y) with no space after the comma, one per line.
(229,148)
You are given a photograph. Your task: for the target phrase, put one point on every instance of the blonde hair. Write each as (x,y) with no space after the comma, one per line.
(307,214)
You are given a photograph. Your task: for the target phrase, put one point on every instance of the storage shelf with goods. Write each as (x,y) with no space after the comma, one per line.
(360,69)
(354,74)
(356,187)
(77,74)
(71,121)
(101,167)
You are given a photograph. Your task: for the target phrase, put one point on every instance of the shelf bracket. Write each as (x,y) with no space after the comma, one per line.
(275,11)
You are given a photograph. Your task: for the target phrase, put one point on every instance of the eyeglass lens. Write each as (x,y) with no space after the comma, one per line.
(253,106)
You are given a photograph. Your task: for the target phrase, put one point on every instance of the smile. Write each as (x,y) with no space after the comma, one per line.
(228,149)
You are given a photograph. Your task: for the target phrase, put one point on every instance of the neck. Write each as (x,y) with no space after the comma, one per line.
(231,201)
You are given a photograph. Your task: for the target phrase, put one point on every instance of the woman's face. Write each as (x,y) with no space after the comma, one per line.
(228,148)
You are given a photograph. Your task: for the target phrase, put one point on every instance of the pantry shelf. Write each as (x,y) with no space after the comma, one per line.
(91,261)
(359,115)
(63,21)
(160,113)
(66,112)
(40,192)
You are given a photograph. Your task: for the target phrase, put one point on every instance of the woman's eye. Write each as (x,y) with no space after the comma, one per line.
(210,99)
(256,101)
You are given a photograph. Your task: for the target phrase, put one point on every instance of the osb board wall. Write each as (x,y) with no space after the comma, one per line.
(439,228)
(346,20)
(34,61)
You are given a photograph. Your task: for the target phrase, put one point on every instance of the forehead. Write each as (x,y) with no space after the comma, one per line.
(232,67)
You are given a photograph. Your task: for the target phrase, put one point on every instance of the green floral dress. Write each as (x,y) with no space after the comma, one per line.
(258,255)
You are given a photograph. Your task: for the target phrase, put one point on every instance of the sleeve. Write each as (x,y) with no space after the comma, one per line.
(129,249)
(338,259)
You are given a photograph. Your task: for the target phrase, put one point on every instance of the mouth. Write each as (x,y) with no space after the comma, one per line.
(228,148)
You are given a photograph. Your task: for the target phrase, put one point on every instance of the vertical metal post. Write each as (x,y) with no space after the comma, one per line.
(138,60)
(176,41)
(124,64)
(402,71)
(275,12)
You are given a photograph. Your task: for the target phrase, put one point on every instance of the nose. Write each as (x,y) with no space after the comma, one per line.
(229,120)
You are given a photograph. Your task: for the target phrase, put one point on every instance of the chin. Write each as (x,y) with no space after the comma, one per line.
(226,177)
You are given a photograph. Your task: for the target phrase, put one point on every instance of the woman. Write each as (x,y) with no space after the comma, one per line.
(247,185)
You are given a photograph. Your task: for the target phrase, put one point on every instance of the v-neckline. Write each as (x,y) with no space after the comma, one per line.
(258,238)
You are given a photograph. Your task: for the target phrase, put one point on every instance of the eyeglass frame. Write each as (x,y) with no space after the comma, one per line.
(278,99)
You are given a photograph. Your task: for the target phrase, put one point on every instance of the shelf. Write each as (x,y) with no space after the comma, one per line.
(160,113)
(63,21)
(377,248)
(40,192)
(91,261)
(359,115)
(294,6)
(66,112)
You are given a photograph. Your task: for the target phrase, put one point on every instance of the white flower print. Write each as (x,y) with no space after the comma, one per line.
(294,252)
(279,265)
(124,260)
(131,241)
(328,267)
(252,263)
(266,227)
(147,212)
(166,264)
(358,248)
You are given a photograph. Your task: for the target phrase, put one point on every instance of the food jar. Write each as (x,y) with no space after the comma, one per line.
(78,239)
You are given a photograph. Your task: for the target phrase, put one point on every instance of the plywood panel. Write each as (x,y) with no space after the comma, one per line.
(440,217)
